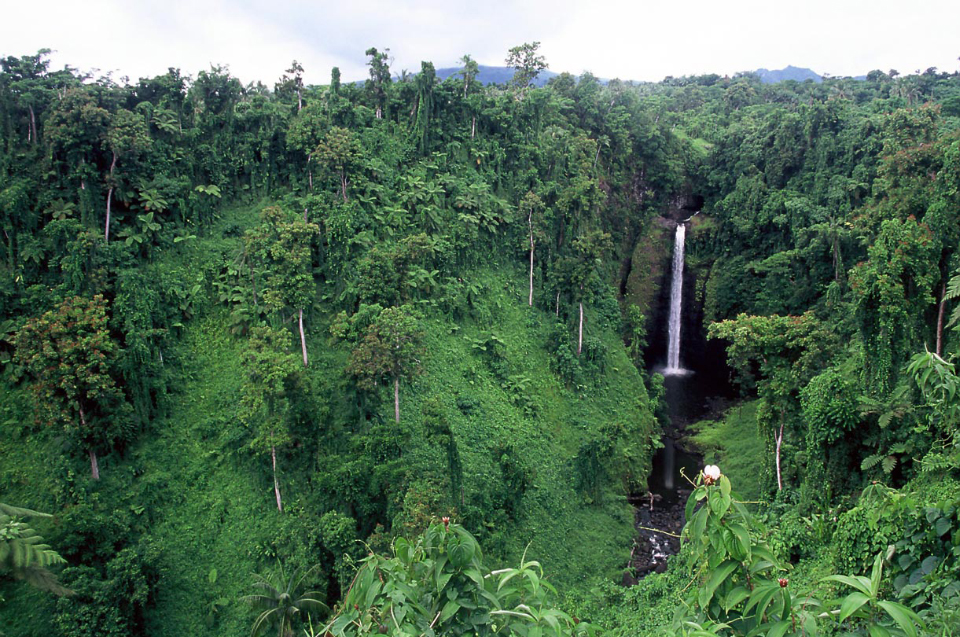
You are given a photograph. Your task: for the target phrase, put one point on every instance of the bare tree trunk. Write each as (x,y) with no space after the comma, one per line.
(33,126)
(580,337)
(310,178)
(94,465)
(303,339)
(299,101)
(343,185)
(396,398)
(106,228)
(557,311)
(836,260)
(779,442)
(473,127)
(940,311)
(530,221)
(276,484)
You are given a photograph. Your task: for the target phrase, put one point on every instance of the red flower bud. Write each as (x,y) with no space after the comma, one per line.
(783,582)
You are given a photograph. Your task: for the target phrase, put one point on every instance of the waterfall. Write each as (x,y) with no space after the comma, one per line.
(676,298)
(676,301)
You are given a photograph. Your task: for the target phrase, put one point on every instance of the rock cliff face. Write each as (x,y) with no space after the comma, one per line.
(646,284)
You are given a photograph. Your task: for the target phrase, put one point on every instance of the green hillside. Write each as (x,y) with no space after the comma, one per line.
(384,353)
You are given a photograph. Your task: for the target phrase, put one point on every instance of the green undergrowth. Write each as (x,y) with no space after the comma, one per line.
(546,447)
(734,444)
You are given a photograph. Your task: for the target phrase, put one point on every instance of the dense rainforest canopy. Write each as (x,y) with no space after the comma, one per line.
(266,330)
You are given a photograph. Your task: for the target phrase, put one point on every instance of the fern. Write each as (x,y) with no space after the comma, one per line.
(23,553)
(953,292)
(870,462)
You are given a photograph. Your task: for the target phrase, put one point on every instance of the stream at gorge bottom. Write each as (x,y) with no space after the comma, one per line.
(659,513)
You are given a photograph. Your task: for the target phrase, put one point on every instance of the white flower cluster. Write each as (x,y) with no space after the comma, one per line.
(711,473)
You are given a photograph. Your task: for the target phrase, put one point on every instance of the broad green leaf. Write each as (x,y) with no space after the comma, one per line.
(734,597)
(860,583)
(851,604)
(780,628)
(877,631)
(743,540)
(906,619)
(875,576)
(448,611)
(943,525)
(716,578)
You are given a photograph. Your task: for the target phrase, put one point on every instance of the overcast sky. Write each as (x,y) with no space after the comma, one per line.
(629,39)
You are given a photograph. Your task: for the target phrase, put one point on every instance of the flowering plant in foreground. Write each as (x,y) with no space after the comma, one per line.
(742,590)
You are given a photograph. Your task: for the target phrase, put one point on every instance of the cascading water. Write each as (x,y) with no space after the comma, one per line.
(676,301)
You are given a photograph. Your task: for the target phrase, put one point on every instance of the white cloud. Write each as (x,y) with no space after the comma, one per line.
(636,39)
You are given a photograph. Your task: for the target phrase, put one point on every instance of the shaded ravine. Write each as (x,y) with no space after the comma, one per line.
(695,388)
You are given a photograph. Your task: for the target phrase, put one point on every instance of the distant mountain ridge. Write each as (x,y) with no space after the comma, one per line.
(495,74)
(789,73)
(503,74)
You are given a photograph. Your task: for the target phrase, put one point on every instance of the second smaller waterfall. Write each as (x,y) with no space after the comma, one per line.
(676,301)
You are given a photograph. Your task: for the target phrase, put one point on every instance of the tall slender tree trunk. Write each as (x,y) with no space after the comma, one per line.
(530,221)
(473,127)
(94,465)
(33,126)
(106,227)
(343,185)
(580,336)
(396,398)
(940,311)
(836,260)
(779,442)
(303,339)
(557,309)
(276,484)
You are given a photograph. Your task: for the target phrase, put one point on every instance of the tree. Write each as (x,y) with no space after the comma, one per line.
(379,81)
(426,105)
(533,206)
(291,83)
(526,64)
(127,134)
(894,288)
(68,353)
(787,351)
(281,602)
(335,80)
(338,151)
(388,351)
(306,132)
(269,372)
(75,130)
(31,85)
(283,245)
(584,270)
(469,72)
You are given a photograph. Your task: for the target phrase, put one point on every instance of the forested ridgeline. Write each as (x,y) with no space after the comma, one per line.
(253,329)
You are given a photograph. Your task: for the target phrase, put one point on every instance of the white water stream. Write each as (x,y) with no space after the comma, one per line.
(676,301)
